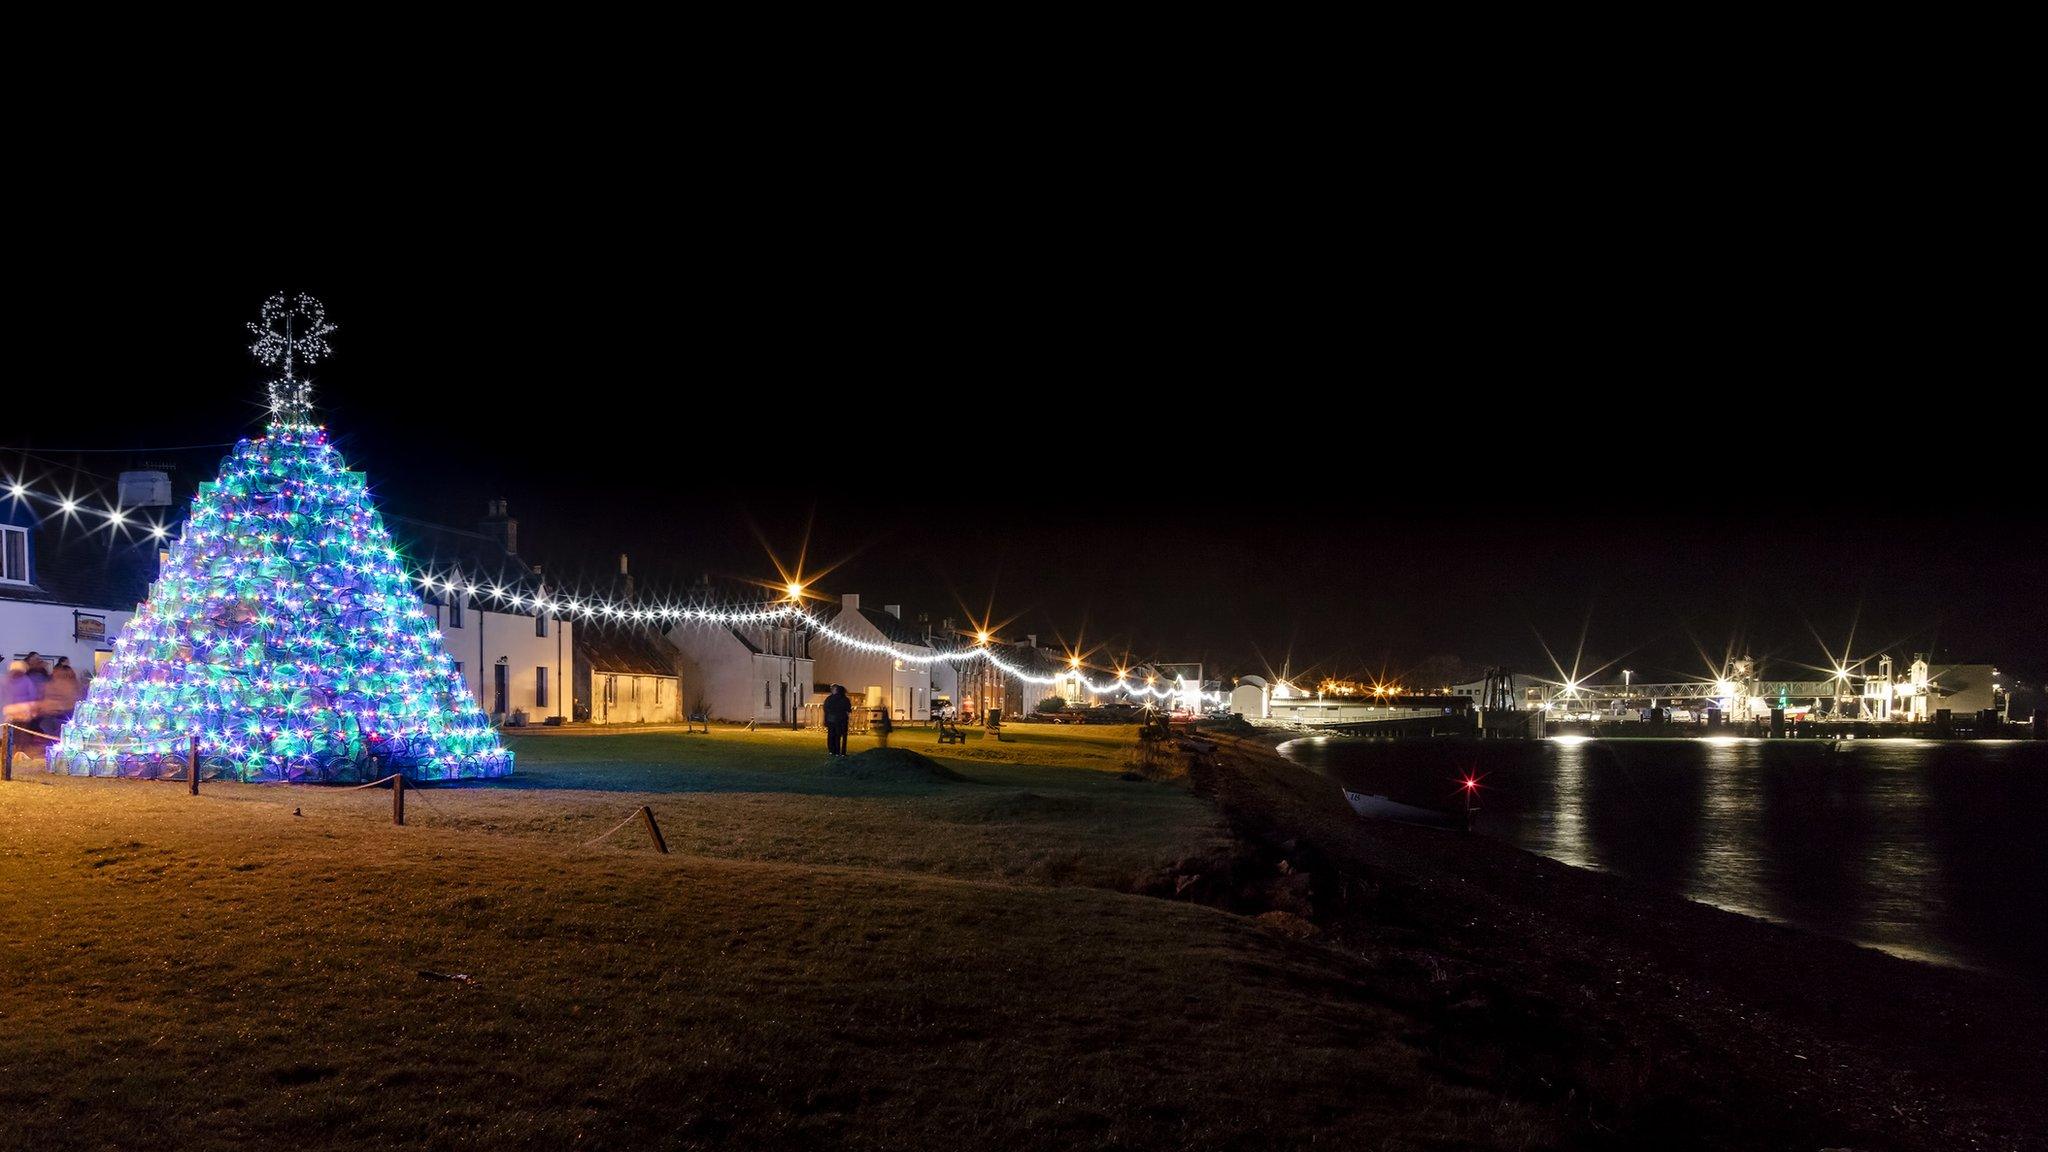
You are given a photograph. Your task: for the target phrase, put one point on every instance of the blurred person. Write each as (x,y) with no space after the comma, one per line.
(19,695)
(60,697)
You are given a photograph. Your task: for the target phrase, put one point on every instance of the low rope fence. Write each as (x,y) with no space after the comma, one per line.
(163,745)
(653,829)
(396,780)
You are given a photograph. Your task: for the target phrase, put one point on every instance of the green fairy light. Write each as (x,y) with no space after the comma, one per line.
(283,632)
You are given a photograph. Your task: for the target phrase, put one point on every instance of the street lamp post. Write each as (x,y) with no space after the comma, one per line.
(796,599)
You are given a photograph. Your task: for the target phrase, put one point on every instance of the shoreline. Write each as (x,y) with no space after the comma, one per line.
(1652,1019)
(1899,952)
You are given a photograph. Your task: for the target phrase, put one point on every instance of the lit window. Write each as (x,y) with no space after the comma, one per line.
(13,555)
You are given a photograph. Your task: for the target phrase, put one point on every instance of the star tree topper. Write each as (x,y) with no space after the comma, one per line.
(293,329)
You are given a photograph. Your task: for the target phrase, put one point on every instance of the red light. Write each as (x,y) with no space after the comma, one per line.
(1470,784)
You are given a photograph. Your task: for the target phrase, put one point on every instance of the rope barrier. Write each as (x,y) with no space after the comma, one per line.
(614,828)
(653,829)
(156,744)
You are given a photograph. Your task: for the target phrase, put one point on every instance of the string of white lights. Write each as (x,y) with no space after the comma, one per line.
(596,608)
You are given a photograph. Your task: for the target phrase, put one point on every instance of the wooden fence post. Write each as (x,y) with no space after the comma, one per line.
(7,768)
(654,830)
(192,764)
(398,799)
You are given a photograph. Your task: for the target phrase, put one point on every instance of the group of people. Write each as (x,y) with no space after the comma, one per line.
(38,697)
(839,717)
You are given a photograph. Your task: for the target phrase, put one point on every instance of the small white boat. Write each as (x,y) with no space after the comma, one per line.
(1381,808)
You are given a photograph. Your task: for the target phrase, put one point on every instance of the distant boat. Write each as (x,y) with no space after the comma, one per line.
(1381,808)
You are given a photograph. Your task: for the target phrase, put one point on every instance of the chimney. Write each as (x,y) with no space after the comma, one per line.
(145,489)
(627,576)
(1031,639)
(850,601)
(500,526)
(895,610)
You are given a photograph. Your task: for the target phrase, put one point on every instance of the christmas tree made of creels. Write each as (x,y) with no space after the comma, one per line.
(283,632)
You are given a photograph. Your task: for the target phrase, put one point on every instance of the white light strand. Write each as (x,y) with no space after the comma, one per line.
(591,608)
(293,329)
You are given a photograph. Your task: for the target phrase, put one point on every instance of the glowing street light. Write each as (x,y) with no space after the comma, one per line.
(981,637)
(795,588)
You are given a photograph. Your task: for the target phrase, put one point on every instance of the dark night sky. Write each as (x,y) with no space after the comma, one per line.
(1418,445)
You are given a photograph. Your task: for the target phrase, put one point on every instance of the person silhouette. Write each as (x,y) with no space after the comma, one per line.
(838,715)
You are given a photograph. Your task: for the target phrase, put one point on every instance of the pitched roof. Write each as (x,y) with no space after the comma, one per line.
(437,548)
(622,649)
(888,625)
(80,562)
(1037,661)
(72,564)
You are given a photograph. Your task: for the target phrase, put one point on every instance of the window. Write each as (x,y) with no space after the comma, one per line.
(540,687)
(657,691)
(455,609)
(458,668)
(540,623)
(13,554)
(767,686)
(501,687)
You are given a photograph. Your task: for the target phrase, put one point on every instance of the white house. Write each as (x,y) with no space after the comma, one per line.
(516,658)
(625,674)
(1250,698)
(901,685)
(1022,697)
(760,672)
(68,586)
(951,680)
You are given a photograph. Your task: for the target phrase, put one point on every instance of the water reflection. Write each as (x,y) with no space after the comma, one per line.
(1644,813)
(1923,849)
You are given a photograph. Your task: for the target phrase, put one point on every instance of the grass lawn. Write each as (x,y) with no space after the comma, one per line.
(824,960)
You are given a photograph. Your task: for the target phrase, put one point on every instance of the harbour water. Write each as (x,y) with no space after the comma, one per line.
(1929,850)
